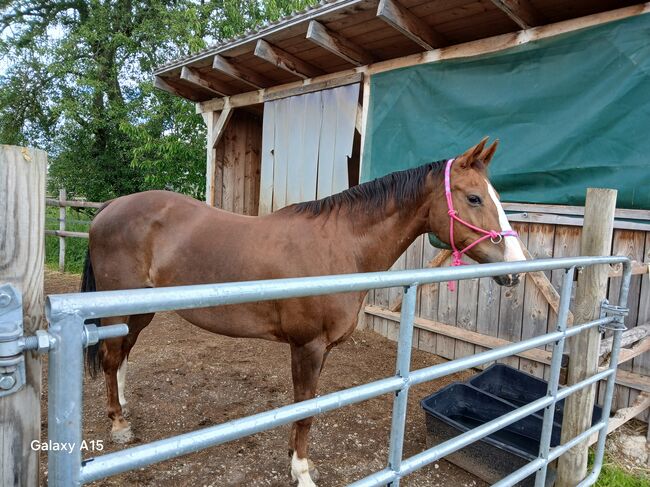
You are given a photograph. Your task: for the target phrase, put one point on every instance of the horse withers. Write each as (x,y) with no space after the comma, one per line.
(159,238)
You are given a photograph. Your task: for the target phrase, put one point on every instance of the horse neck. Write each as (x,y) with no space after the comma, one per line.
(381,239)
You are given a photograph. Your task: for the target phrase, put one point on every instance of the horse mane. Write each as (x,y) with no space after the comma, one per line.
(404,187)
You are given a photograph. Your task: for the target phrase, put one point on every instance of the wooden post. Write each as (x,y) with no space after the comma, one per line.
(62,213)
(584,348)
(22,213)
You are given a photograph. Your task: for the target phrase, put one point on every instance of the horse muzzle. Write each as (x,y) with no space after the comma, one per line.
(507,280)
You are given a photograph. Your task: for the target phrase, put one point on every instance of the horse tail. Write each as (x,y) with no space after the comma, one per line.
(88,285)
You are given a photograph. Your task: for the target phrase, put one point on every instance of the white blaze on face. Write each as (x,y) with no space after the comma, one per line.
(513,247)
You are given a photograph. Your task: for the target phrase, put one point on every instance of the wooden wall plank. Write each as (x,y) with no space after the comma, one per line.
(295,164)
(512,305)
(536,307)
(447,312)
(311,136)
(467,313)
(252,163)
(268,159)
(327,145)
(281,148)
(394,294)
(631,244)
(641,364)
(428,300)
(347,101)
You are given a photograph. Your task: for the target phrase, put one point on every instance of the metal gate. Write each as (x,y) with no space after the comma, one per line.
(68,335)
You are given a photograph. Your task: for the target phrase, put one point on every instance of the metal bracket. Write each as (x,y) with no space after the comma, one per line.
(618,312)
(12,362)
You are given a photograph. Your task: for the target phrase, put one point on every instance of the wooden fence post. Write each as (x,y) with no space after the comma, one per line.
(62,216)
(22,213)
(584,348)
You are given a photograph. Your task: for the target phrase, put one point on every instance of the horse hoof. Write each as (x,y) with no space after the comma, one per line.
(314,475)
(122,436)
(313,471)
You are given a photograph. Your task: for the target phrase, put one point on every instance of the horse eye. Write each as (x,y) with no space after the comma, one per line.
(474,200)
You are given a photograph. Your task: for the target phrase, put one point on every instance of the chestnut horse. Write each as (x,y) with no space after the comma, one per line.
(158,238)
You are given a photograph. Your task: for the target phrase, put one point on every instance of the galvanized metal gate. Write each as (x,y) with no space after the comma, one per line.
(68,335)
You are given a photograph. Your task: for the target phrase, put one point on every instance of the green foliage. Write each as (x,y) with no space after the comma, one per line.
(76,81)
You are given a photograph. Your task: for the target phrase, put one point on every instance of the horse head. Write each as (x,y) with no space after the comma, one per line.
(473,221)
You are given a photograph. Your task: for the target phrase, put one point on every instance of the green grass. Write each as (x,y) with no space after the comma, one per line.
(75,247)
(613,475)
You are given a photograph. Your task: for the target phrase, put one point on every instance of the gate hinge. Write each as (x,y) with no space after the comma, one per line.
(618,312)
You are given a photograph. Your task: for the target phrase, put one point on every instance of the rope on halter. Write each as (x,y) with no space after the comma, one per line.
(494,236)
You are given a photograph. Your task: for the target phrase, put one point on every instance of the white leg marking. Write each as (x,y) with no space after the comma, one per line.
(121,383)
(513,247)
(300,471)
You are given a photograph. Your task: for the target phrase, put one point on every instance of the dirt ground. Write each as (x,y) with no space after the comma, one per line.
(182,378)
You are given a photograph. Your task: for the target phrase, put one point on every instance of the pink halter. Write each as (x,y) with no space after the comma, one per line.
(493,235)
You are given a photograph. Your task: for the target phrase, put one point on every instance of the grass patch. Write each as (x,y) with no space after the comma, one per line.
(614,475)
(75,253)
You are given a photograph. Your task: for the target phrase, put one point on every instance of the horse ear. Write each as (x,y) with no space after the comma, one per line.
(488,154)
(471,154)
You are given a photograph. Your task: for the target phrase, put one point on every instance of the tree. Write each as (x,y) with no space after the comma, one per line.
(77,83)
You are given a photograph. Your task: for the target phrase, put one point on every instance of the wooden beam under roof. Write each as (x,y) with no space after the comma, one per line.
(184,92)
(521,12)
(241,73)
(196,78)
(401,19)
(337,44)
(285,60)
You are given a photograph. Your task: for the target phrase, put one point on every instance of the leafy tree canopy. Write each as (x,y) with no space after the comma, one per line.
(75,80)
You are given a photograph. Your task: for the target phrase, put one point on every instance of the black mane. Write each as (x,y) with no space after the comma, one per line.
(405,187)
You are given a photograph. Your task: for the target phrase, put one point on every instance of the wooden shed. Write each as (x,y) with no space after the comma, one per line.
(287,109)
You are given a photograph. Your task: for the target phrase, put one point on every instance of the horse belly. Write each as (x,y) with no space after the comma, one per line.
(254,320)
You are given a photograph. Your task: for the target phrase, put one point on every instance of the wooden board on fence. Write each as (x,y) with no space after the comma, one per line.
(428,301)
(536,306)
(565,244)
(641,364)
(512,305)
(447,312)
(414,261)
(466,314)
(394,294)
(631,244)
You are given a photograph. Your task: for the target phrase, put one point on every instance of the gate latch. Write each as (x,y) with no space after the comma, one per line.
(618,312)
(13,342)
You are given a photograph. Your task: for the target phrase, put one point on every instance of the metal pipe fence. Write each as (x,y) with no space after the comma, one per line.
(67,313)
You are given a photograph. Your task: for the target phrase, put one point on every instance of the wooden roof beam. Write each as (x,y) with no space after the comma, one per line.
(194,77)
(521,12)
(338,45)
(285,60)
(401,19)
(184,92)
(241,73)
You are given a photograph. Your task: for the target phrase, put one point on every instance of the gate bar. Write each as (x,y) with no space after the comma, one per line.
(103,304)
(456,443)
(402,369)
(64,408)
(554,377)
(143,455)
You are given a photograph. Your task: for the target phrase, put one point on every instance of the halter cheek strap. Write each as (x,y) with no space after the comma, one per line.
(456,254)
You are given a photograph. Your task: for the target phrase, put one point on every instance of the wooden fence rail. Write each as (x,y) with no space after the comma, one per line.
(62,203)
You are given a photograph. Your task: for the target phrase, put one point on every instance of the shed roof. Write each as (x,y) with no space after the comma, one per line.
(337,35)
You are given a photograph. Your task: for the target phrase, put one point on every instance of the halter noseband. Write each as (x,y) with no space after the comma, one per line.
(494,236)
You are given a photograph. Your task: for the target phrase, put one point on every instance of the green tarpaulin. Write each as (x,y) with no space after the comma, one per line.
(571,112)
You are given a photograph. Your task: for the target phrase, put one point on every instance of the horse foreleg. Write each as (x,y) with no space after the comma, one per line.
(113,357)
(306,364)
(114,353)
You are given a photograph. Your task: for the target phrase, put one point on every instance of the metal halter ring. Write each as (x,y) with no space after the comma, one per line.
(498,240)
